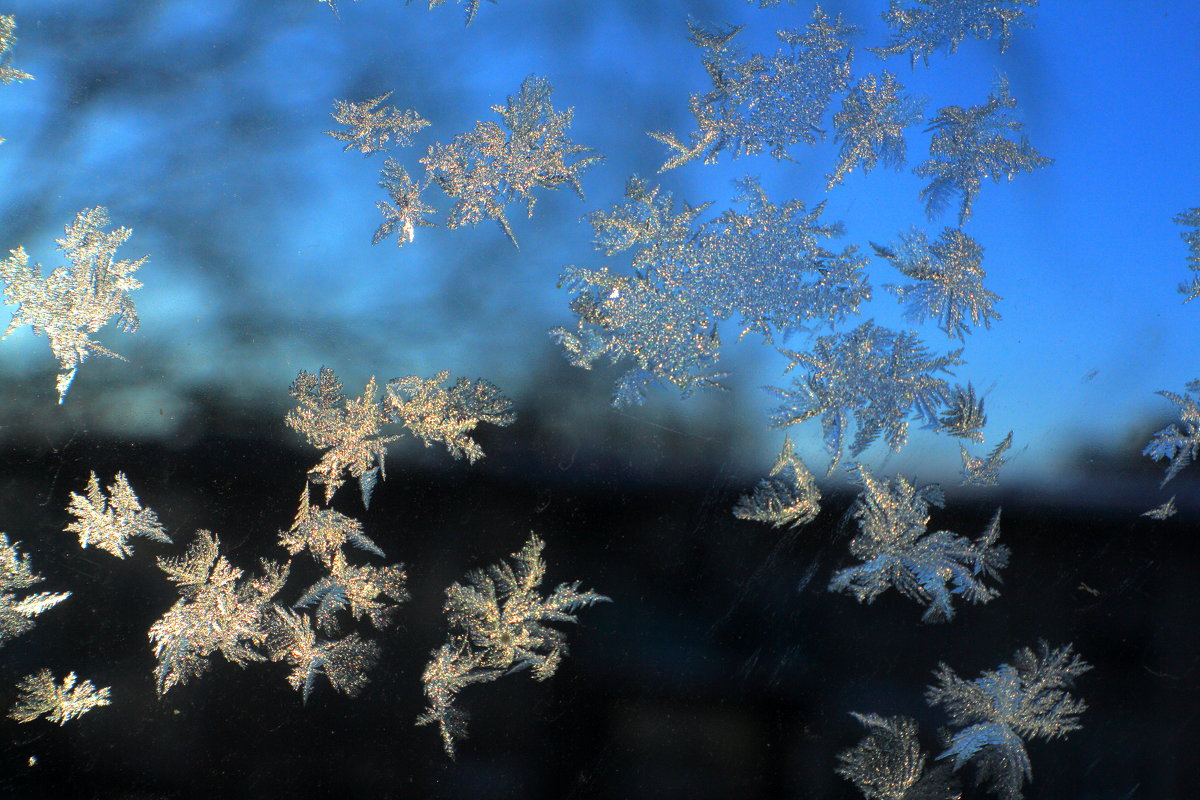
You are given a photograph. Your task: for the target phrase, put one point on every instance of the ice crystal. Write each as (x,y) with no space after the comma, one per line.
(1003,707)
(110,522)
(951,281)
(500,624)
(890,765)
(9,74)
(491,166)
(870,126)
(970,144)
(73,302)
(762,102)
(985,471)
(1179,445)
(17,613)
(454,667)
(323,532)
(471,7)
(787,496)
(406,211)
(896,551)
(40,696)
(344,662)
(217,611)
(964,417)
(766,264)
(348,431)
(1164,511)
(367,591)
(876,377)
(1191,218)
(934,25)
(372,128)
(434,414)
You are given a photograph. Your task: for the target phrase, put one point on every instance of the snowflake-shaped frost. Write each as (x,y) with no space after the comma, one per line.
(1180,446)
(870,126)
(17,613)
(934,25)
(372,128)
(985,471)
(435,414)
(890,765)
(344,662)
(110,522)
(406,211)
(1191,218)
(1002,708)
(493,165)
(40,696)
(787,496)
(761,102)
(970,144)
(951,281)
(71,303)
(896,550)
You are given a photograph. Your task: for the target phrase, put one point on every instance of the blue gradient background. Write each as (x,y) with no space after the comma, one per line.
(199,125)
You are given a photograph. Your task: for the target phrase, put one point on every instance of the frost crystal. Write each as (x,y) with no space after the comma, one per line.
(935,25)
(766,264)
(347,430)
(764,102)
(985,471)
(895,550)
(345,662)
(17,613)
(951,281)
(890,765)
(1191,218)
(471,7)
(1003,707)
(970,144)
(323,532)
(871,126)
(372,128)
(964,417)
(1180,446)
(787,496)
(491,166)
(434,414)
(217,611)
(365,590)
(501,625)
(8,74)
(406,212)
(1164,511)
(876,376)
(40,696)
(110,523)
(73,302)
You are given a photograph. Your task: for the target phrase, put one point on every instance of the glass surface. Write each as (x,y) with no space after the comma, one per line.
(725,665)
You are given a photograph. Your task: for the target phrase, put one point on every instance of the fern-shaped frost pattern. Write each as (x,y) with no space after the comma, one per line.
(932,25)
(17,611)
(436,414)
(950,275)
(890,765)
(870,126)
(872,376)
(109,523)
(787,496)
(762,102)
(344,662)
(970,144)
(217,611)
(71,303)
(1179,443)
(39,695)
(998,711)
(499,623)
(491,166)
(373,128)
(897,551)
(1191,219)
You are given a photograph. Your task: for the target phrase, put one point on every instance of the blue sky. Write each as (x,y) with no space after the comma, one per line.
(199,125)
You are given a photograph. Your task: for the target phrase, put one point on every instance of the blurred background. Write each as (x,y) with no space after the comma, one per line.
(722,669)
